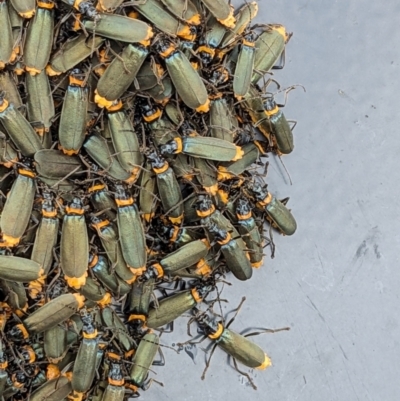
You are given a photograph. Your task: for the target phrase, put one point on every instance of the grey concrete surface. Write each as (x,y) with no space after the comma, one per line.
(336,282)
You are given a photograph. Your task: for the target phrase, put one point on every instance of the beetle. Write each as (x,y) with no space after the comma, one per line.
(46,235)
(125,141)
(254,105)
(208,213)
(18,128)
(115,390)
(8,83)
(100,268)
(74,245)
(185,256)
(119,27)
(53,164)
(147,197)
(142,360)
(251,152)
(250,232)
(55,343)
(139,303)
(221,10)
(7,41)
(155,12)
(17,24)
(243,16)
(8,155)
(118,328)
(236,258)
(72,128)
(130,228)
(54,389)
(221,123)
(101,200)
(40,106)
(119,75)
(39,38)
(18,207)
(168,188)
(47,316)
(281,132)
(162,92)
(203,147)
(238,346)
(185,78)
(244,66)
(270,45)
(109,238)
(206,175)
(172,307)
(72,53)
(102,152)
(276,211)
(85,363)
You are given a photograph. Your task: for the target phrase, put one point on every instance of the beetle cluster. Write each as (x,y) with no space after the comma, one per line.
(130,158)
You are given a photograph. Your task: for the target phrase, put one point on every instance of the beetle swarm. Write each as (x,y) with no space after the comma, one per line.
(132,148)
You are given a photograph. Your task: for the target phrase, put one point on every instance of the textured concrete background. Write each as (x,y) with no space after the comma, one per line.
(336,282)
